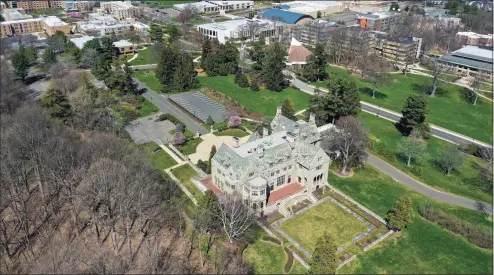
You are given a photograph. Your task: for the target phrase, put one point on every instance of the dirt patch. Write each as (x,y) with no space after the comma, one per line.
(349,175)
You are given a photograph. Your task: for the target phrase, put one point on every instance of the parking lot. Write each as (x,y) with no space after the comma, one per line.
(199,105)
(146,129)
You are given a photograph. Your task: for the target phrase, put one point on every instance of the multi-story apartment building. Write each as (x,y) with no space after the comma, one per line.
(232,5)
(376,21)
(472,38)
(315,32)
(29,5)
(71,5)
(26,26)
(54,24)
(400,48)
(274,171)
(106,25)
(121,9)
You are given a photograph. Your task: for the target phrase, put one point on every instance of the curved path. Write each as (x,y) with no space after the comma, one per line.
(423,189)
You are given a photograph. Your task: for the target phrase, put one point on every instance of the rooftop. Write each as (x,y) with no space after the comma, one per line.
(307,6)
(470,56)
(122,43)
(475,51)
(402,39)
(202,4)
(231,25)
(284,16)
(475,35)
(264,143)
(22,21)
(226,3)
(298,54)
(15,14)
(80,41)
(374,15)
(284,192)
(54,21)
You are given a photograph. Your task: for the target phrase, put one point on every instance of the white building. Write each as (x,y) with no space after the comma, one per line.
(235,29)
(202,7)
(15,14)
(232,5)
(275,171)
(102,25)
(312,8)
(81,41)
(121,9)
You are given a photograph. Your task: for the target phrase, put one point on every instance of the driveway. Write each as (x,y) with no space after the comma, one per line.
(204,148)
(423,189)
(146,129)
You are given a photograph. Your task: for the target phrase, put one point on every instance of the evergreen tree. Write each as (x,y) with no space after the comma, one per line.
(237,77)
(414,116)
(21,62)
(243,82)
(262,39)
(315,70)
(257,54)
(319,15)
(108,51)
(287,109)
(101,68)
(92,44)
(49,57)
(273,65)
(209,120)
(222,61)
(184,77)
(254,86)
(401,214)
(57,104)
(211,155)
(122,81)
(324,260)
(206,49)
(209,202)
(156,33)
(173,33)
(166,67)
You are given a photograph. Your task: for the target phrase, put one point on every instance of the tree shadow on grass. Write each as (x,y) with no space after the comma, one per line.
(368,91)
(426,89)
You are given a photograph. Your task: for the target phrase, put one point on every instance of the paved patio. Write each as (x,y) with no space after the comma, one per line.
(204,148)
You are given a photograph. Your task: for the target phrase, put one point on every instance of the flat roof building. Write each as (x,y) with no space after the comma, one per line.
(15,14)
(121,9)
(312,8)
(19,27)
(54,24)
(472,38)
(232,5)
(376,21)
(202,7)
(469,60)
(81,41)
(287,17)
(233,29)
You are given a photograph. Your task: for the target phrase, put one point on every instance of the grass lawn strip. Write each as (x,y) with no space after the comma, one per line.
(148,78)
(308,226)
(144,57)
(449,109)
(423,247)
(263,101)
(159,158)
(190,147)
(147,108)
(460,182)
(232,132)
(184,174)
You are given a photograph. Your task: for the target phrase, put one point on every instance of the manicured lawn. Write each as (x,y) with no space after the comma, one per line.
(449,108)
(423,247)
(147,108)
(144,57)
(268,258)
(307,227)
(232,132)
(187,133)
(263,101)
(190,147)
(148,78)
(159,158)
(184,174)
(197,20)
(461,182)
(248,125)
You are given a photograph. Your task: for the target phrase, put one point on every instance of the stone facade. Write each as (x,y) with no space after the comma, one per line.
(275,170)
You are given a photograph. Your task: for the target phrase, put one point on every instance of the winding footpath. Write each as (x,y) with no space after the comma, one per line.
(422,188)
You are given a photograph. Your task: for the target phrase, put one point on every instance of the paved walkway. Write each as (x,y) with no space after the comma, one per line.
(423,189)
(166,106)
(204,148)
(436,131)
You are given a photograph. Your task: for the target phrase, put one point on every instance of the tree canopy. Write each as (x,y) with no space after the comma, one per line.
(414,116)
(324,260)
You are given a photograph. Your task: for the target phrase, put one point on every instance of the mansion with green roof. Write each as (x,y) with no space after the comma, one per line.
(274,171)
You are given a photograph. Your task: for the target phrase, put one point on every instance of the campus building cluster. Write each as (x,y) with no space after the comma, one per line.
(48,25)
(216,6)
(40,5)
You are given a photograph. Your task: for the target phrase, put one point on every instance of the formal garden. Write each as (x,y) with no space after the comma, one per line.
(450,108)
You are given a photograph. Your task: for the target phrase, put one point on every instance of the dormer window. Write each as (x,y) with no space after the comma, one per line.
(251,174)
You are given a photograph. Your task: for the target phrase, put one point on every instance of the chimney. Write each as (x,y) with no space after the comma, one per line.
(265,132)
(260,150)
(312,118)
(278,110)
(235,141)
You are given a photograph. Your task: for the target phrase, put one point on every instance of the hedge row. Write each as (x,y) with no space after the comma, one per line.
(478,236)
(355,208)
(270,239)
(169,117)
(289,261)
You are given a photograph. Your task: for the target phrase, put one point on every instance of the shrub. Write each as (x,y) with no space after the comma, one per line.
(202,165)
(169,117)
(180,128)
(289,260)
(178,138)
(384,151)
(270,239)
(478,236)
(234,121)
(417,171)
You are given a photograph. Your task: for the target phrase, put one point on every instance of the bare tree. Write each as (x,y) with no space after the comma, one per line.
(189,12)
(236,216)
(11,92)
(412,147)
(375,72)
(348,140)
(60,69)
(479,80)
(438,71)
(450,158)
(68,83)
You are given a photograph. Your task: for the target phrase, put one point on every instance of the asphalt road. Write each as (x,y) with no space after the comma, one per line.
(393,116)
(423,189)
(166,106)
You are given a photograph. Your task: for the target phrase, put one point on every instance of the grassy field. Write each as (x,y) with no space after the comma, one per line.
(144,57)
(421,248)
(449,108)
(307,227)
(190,147)
(184,174)
(232,132)
(196,20)
(268,258)
(147,108)
(460,183)
(159,158)
(263,101)
(148,78)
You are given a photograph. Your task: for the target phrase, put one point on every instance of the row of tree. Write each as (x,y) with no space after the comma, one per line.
(175,70)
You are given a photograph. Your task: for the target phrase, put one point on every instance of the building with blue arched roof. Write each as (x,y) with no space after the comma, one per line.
(287,17)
